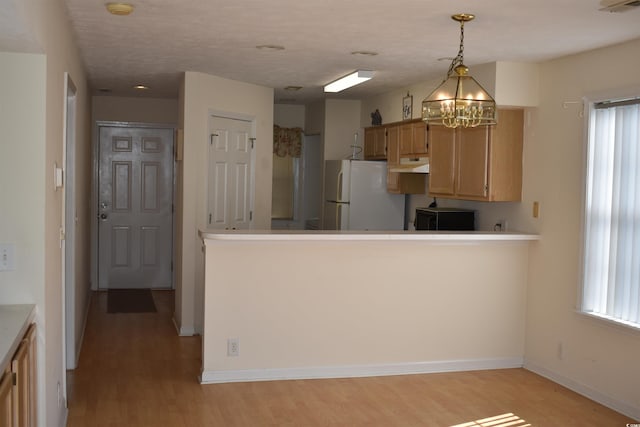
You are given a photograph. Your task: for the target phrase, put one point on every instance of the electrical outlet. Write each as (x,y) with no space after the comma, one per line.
(560,350)
(233,347)
(500,225)
(536,209)
(59,395)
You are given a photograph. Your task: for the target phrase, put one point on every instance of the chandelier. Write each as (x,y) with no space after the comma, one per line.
(459,100)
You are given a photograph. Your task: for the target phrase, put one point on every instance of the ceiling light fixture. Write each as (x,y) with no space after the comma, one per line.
(122,9)
(459,100)
(269,47)
(141,87)
(348,81)
(364,53)
(293,88)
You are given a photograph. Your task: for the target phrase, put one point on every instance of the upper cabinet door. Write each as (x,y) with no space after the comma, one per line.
(442,163)
(472,168)
(375,143)
(413,139)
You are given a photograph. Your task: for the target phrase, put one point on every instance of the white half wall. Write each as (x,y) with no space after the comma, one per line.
(350,308)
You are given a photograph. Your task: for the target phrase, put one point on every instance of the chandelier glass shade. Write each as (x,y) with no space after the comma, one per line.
(459,101)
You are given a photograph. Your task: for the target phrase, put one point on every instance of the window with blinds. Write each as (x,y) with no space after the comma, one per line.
(611,255)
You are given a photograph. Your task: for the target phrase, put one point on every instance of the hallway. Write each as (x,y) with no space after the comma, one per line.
(135,371)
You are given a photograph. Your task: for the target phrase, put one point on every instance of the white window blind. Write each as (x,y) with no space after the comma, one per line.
(611,264)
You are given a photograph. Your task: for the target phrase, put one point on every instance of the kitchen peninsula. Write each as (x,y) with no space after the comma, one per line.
(284,305)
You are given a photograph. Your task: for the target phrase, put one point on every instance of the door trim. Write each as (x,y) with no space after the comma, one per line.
(69,282)
(95,191)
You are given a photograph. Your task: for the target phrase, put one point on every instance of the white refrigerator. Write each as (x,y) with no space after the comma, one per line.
(356,197)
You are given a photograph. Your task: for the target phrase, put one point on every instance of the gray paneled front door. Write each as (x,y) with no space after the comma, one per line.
(135,207)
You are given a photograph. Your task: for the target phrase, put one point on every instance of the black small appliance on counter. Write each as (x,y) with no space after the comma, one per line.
(454,219)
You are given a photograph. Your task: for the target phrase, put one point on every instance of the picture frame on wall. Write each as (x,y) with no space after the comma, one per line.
(407,107)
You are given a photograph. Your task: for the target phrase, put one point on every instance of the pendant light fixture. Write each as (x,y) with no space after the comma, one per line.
(459,100)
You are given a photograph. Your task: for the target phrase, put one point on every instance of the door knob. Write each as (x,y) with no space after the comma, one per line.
(103,216)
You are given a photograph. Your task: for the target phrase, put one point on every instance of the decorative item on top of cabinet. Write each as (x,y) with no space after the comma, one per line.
(407,107)
(375,143)
(482,163)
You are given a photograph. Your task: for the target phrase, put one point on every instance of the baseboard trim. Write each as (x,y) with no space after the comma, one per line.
(604,399)
(84,328)
(64,416)
(182,332)
(355,371)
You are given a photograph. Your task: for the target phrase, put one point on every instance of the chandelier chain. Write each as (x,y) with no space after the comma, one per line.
(459,59)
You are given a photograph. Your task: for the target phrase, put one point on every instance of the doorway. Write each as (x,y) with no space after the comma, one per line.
(135,193)
(231,173)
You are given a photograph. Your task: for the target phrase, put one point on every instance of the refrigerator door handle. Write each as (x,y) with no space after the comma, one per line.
(339,187)
(338,216)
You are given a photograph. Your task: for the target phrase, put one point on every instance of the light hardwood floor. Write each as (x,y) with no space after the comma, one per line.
(135,371)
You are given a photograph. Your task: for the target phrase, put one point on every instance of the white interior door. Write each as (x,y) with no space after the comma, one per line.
(135,207)
(230,182)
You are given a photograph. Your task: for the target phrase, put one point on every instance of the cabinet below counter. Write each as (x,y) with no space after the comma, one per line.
(18,370)
(14,322)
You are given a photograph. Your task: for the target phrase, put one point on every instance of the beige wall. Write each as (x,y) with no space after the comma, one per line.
(22,160)
(62,56)
(597,358)
(342,121)
(347,305)
(33,112)
(141,110)
(289,116)
(202,95)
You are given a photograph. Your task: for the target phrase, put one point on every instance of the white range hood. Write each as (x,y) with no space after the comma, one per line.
(411,165)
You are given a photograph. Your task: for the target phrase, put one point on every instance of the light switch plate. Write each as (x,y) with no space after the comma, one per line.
(7,256)
(58,179)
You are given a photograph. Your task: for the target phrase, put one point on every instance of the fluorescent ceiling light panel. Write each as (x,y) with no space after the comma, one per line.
(345,82)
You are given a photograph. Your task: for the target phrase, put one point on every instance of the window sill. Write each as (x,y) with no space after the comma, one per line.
(619,324)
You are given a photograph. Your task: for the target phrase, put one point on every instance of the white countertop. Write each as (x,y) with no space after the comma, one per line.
(14,321)
(308,235)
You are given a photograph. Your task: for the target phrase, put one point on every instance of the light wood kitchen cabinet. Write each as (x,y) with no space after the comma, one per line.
(6,398)
(18,394)
(393,178)
(413,139)
(482,163)
(400,183)
(375,143)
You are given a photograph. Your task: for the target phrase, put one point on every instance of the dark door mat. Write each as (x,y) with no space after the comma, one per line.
(130,301)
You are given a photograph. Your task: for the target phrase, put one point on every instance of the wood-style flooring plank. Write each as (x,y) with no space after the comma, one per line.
(135,371)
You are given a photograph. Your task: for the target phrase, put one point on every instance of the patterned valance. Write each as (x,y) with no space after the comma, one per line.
(287,141)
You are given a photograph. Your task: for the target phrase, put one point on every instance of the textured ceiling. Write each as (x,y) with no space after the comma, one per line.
(163,38)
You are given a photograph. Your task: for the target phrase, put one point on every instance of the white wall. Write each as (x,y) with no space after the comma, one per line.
(141,110)
(203,94)
(341,308)
(33,102)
